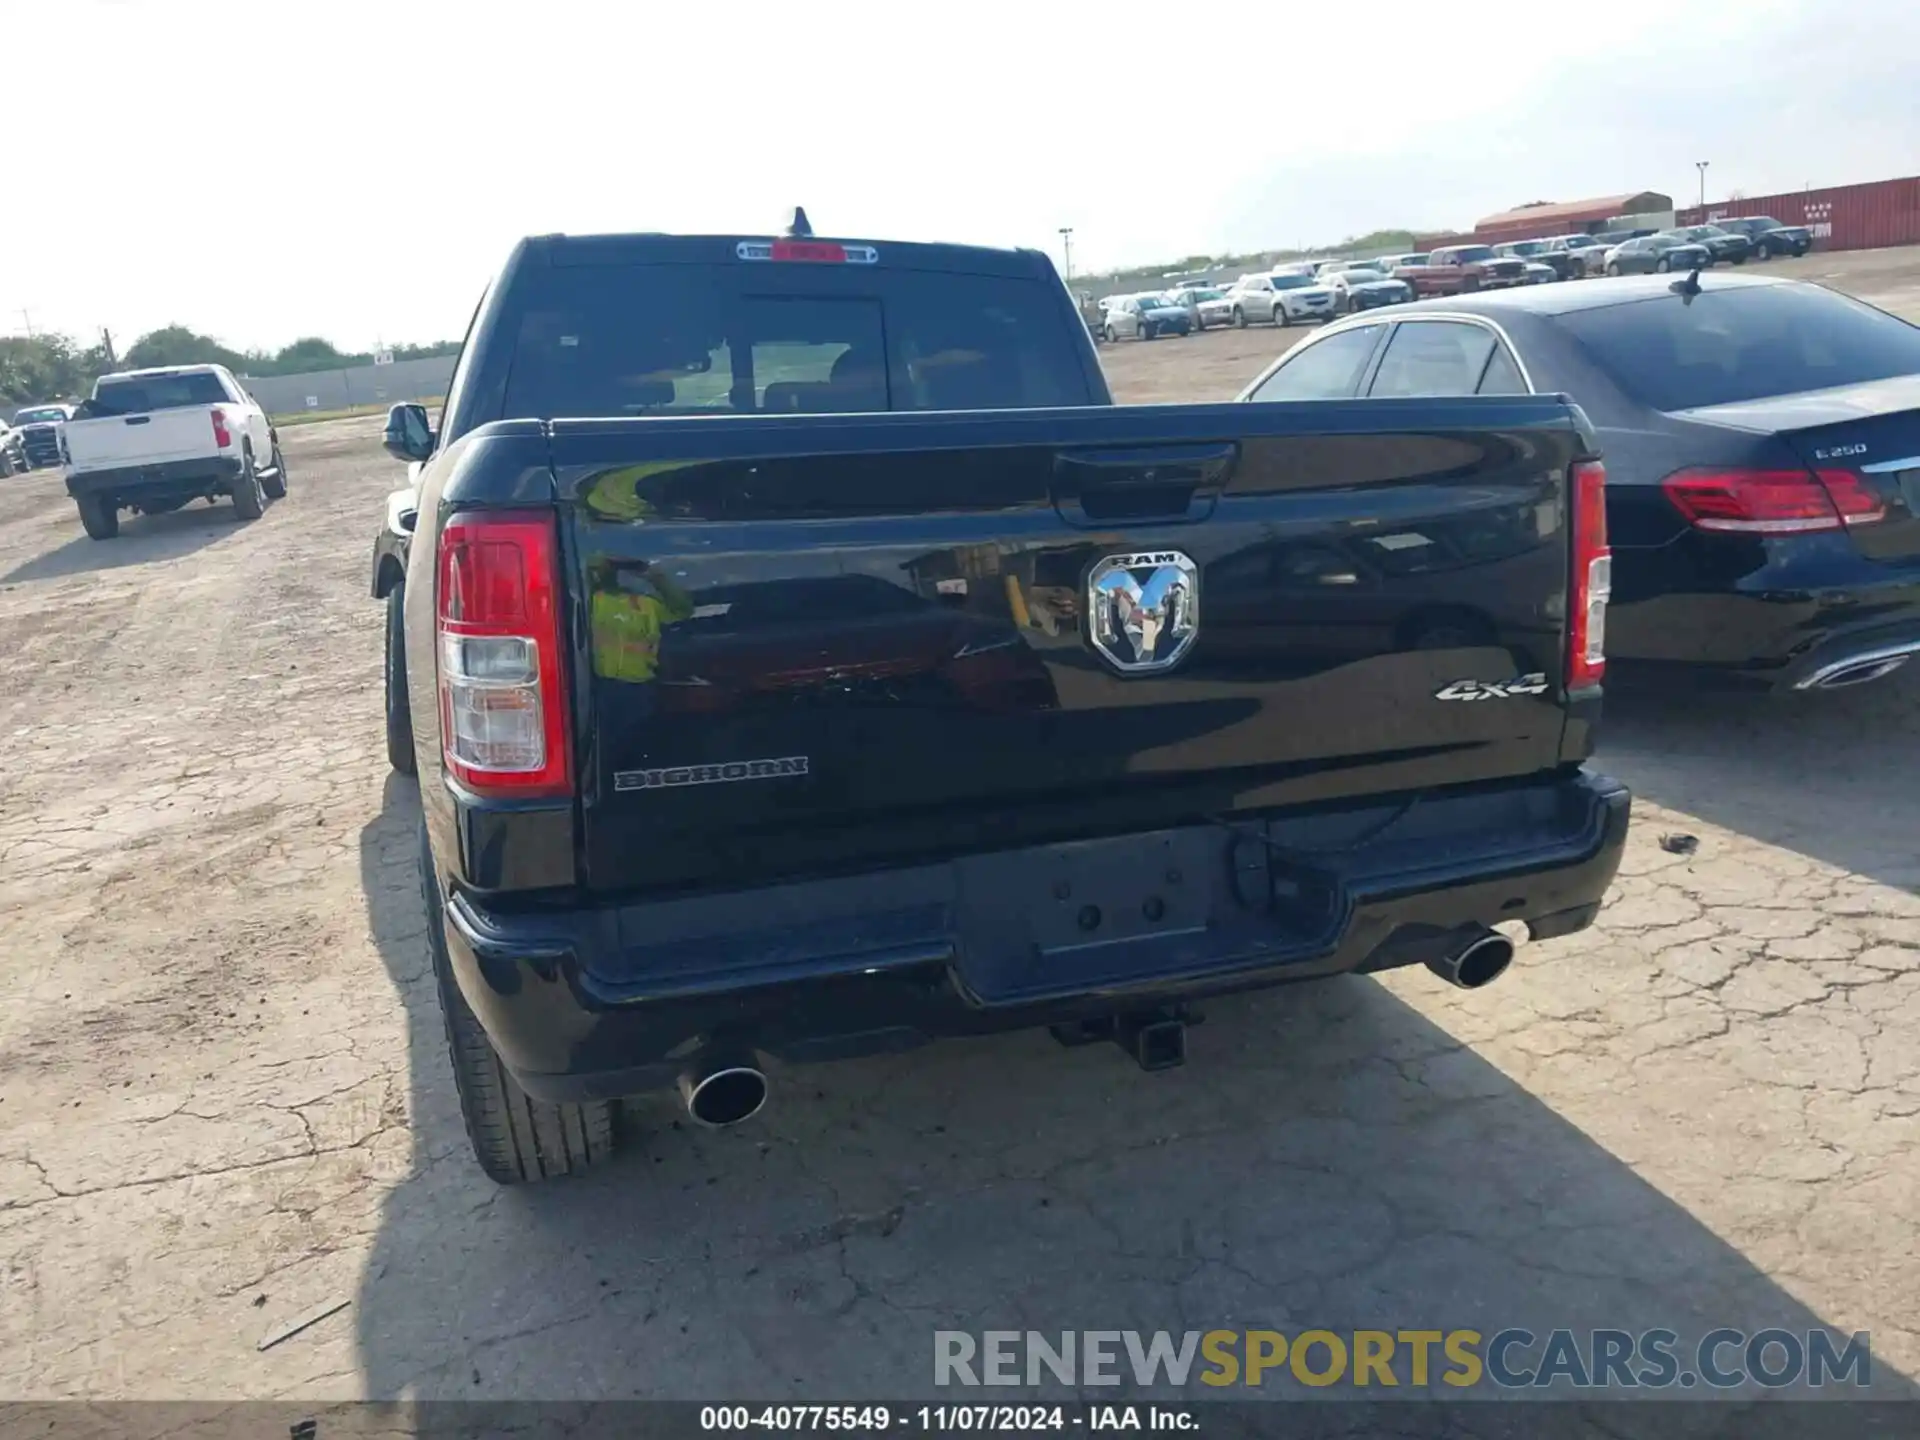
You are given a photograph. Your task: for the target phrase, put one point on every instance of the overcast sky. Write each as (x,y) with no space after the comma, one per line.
(279,168)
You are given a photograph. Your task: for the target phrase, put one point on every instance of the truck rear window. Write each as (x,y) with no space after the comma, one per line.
(155,392)
(1743,344)
(759,339)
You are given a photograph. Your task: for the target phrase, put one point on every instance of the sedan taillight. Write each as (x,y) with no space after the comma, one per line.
(1773,502)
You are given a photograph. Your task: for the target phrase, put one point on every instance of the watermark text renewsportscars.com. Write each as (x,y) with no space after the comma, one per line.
(1510,1359)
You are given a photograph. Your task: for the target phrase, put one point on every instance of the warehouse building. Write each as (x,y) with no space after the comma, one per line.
(1642,210)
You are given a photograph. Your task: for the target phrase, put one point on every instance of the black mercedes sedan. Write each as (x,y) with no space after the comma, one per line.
(1762,447)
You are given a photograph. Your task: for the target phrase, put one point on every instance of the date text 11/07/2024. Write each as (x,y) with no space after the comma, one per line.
(941,1419)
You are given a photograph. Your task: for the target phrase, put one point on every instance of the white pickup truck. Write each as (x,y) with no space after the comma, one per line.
(154,440)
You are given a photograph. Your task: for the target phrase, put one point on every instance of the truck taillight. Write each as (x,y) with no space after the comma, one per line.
(503,717)
(1592,578)
(222,436)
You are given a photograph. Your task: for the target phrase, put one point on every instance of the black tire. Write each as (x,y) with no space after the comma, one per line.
(1469,284)
(1239,318)
(514,1137)
(1613,267)
(1281,319)
(276,484)
(1739,259)
(100,518)
(1113,337)
(1663,265)
(249,500)
(399,708)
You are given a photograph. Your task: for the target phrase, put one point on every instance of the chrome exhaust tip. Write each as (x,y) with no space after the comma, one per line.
(1483,959)
(722,1093)
(1861,674)
(1859,669)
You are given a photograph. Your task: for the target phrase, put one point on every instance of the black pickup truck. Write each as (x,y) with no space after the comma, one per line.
(806,659)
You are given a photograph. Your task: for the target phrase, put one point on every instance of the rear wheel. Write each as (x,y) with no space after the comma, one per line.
(399,708)
(249,500)
(1239,318)
(515,1137)
(100,516)
(276,484)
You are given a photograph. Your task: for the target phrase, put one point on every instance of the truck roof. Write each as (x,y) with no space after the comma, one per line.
(160,370)
(662,249)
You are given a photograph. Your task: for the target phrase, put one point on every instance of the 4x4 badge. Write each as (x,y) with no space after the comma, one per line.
(1534,684)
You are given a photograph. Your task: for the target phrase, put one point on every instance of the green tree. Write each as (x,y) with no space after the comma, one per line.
(177,345)
(45,367)
(311,353)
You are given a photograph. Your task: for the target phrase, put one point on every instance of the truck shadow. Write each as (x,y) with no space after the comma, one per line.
(1329,1157)
(1826,775)
(142,540)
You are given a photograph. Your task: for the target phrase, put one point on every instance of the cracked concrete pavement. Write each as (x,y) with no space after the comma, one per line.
(224,1096)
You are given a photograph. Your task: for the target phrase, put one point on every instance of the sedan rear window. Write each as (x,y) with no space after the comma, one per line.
(733,340)
(1743,344)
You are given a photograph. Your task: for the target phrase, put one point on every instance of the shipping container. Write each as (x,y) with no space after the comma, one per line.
(1842,217)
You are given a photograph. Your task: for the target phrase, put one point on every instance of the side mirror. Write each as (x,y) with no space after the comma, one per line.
(408,436)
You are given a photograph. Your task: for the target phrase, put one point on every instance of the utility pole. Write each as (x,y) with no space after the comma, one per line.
(106,346)
(1701,166)
(1066,244)
(27,320)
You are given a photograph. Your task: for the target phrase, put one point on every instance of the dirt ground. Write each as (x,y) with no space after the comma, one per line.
(224,1098)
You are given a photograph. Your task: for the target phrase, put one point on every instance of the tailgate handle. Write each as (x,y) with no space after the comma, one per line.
(1153,465)
(138,419)
(1157,482)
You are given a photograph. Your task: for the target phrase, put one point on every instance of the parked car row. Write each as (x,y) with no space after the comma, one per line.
(1321,289)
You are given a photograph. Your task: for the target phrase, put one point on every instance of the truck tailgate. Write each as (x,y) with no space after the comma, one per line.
(115,441)
(819,643)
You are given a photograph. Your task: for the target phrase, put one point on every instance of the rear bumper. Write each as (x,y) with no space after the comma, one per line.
(611,1000)
(203,475)
(41,451)
(1776,628)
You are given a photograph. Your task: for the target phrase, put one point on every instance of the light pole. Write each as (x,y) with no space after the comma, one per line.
(1701,166)
(1066,244)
